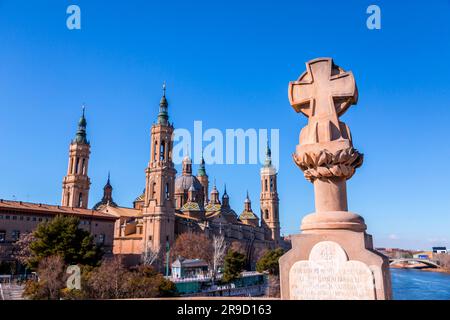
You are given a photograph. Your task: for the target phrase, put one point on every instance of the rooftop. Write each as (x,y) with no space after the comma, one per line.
(48,209)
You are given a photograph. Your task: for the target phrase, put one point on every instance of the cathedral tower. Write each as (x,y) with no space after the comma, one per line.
(158,208)
(269,201)
(203,178)
(75,189)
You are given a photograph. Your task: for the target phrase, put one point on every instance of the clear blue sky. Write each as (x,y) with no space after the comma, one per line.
(228,64)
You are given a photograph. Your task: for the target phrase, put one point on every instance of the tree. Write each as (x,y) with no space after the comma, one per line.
(234,265)
(191,245)
(150,255)
(61,236)
(219,248)
(51,272)
(108,281)
(113,281)
(269,262)
(21,248)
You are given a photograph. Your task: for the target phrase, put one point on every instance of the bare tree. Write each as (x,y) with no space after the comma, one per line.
(150,255)
(109,280)
(219,250)
(51,279)
(192,245)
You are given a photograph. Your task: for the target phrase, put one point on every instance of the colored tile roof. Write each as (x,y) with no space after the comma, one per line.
(248,215)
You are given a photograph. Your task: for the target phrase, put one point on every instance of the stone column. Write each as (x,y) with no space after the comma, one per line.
(333,257)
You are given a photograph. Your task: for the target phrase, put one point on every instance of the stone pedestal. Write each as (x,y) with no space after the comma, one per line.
(347,267)
(333,258)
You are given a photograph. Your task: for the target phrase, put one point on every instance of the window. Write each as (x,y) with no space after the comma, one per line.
(150,238)
(162,150)
(153,190)
(265,184)
(15,234)
(83,166)
(2,236)
(7,217)
(1,217)
(40,219)
(77,163)
(101,239)
(266,214)
(167,191)
(80,200)
(28,218)
(14,217)
(34,218)
(21,218)
(155,150)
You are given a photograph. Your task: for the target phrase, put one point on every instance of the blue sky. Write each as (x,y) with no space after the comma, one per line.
(228,64)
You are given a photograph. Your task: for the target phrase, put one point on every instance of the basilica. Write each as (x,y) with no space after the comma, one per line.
(170,205)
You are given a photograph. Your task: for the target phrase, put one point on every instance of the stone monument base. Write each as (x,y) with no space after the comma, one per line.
(334,265)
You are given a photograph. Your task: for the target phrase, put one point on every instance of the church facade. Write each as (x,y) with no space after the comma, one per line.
(172,204)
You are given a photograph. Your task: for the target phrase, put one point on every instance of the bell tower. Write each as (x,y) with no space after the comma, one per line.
(269,201)
(159,206)
(204,180)
(75,189)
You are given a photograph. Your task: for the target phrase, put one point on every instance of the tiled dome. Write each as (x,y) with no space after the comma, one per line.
(183,183)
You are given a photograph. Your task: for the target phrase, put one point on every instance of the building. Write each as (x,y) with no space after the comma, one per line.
(18,217)
(439,249)
(171,204)
(189,268)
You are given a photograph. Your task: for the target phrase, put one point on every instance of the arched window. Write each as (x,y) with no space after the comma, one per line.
(265,184)
(162,150)
(80,200)
(167,191)
(83,166)
(77,163)
(155,150)
(153,191)
(266,214)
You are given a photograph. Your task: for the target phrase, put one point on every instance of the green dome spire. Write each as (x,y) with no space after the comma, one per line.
(80,136)
(163,115)
(268,161)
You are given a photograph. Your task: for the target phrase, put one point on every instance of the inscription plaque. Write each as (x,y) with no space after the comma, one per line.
(329,275)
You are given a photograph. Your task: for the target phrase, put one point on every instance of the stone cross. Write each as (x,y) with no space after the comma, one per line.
(323,93)
(315,92)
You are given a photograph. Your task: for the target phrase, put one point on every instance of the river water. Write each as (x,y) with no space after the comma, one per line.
(409,284)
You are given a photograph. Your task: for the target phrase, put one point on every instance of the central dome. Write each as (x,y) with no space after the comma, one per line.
(183,183)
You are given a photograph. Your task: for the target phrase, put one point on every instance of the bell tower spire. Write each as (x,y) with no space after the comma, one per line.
(204,180)
(163,115)
(76,183)
(159,206)
(269,201)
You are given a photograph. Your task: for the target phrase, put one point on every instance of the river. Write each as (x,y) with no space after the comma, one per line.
(410,284)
